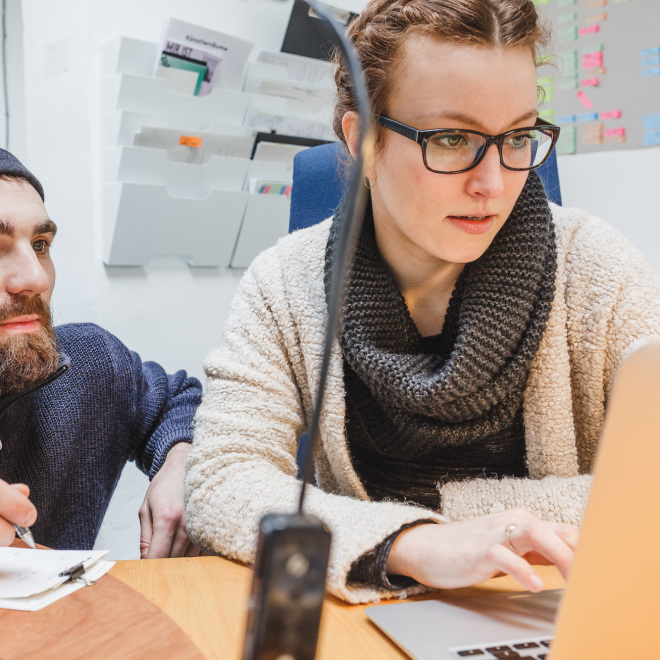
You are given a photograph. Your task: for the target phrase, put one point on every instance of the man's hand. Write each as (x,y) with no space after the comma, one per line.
(15,509)
(162,522)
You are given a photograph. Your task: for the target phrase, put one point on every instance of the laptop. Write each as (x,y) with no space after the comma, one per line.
(612,602)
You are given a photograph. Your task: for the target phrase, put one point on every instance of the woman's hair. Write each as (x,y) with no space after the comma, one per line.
(382,28)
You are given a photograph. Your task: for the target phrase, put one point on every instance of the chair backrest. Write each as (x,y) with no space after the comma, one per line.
(319,181)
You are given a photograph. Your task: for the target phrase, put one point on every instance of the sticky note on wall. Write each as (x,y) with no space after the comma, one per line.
(594,4)
(589,82)
(592,59)
(585,100)
(615,135)
(567,143)
(590,29)
(567,34)
(592,134)
(612,114)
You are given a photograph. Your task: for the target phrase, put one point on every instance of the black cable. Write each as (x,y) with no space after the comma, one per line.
(4,71)
(347,235)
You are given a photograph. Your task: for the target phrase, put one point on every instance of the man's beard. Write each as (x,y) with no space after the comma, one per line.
(28,358)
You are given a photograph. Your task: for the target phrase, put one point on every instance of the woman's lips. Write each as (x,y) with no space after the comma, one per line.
(473,226)
(21,324)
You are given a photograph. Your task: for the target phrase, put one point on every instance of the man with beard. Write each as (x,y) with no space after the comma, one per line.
(76,404)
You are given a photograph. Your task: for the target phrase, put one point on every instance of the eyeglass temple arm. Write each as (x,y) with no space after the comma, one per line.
(411,133)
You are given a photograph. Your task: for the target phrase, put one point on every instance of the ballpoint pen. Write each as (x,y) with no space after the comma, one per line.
(25,534)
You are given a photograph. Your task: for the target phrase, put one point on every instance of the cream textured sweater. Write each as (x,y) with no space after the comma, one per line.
(262,378)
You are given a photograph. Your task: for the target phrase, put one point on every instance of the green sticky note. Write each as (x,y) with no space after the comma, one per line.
(566,18)
(594,48)
(544,81)
(548,114)
(567,34)
(568,59)
(566,3)
(547,94)
(541,2)
(569,83)
(543,59)
(567,142)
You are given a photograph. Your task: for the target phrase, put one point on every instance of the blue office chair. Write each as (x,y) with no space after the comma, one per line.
(320,177)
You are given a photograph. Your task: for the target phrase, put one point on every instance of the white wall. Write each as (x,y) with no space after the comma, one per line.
(169,312)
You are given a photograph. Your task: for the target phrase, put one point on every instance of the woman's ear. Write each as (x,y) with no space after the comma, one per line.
(350,124)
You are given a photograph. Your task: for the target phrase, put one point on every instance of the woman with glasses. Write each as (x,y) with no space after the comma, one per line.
(481,329)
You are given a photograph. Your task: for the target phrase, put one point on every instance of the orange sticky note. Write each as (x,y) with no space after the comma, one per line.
(585,100)
(190,141)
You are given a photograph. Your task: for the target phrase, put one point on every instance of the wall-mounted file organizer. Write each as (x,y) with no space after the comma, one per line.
(266,216)
(153,167)
(142,222)
(155,204)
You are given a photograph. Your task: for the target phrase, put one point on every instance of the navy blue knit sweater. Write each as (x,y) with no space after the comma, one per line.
(70,438)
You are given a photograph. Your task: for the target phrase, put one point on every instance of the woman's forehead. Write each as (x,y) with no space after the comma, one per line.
(436,80)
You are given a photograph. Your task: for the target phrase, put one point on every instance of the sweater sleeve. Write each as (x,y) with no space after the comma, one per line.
(243,461)
(612,298)
(163,407)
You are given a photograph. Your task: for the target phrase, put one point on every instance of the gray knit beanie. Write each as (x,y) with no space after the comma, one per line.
(11,166)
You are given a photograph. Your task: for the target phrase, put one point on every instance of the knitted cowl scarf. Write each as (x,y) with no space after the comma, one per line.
(496,318)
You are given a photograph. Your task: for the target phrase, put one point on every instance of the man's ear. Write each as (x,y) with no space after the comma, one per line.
(350,124)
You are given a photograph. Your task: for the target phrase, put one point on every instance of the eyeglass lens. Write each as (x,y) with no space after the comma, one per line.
(458,150)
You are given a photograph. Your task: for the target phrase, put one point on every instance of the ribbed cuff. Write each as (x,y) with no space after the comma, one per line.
(371,568)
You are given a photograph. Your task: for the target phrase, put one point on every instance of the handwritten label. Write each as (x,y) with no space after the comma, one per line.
(590,29)
(612,114)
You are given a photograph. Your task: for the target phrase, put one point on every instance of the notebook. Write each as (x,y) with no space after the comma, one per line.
(611,604)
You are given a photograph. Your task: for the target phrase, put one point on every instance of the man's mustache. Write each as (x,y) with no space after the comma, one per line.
(24,306)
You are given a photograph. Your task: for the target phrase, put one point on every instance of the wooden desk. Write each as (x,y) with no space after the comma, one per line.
(207,597)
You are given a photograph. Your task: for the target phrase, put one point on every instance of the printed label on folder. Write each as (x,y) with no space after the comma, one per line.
(591,29)
(190,141)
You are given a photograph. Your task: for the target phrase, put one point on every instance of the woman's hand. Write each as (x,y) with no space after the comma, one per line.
(466,553)
(15,509)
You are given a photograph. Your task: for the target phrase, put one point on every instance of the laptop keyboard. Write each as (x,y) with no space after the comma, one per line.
(533,649)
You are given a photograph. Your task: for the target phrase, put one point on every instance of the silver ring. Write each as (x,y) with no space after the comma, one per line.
(507,534)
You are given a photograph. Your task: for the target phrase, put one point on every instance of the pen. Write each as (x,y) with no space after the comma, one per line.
(25,534)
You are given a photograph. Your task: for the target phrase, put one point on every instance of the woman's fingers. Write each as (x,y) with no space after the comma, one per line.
(504,560)
(538,537)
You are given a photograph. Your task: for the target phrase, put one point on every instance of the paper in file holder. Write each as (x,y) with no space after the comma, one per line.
(153,167)
(142,222)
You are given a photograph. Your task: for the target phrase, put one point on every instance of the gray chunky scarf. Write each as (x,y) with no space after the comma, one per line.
(426,402)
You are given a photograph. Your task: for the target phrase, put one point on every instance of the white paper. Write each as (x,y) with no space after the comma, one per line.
(277,152)
(298,68)
(300,98)
(213,144)
(178,80)
(234,52)
(38,602)
(26,572)
(266,122)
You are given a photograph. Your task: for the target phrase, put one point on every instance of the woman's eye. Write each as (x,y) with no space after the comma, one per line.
(520,141)
(451,141)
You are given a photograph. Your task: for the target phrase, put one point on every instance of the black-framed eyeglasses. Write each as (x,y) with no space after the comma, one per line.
(456,150)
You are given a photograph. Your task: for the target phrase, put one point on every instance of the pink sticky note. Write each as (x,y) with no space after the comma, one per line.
(612,114)
(584,99)
(592,60)
(591,29)
(589,82)
(615,131)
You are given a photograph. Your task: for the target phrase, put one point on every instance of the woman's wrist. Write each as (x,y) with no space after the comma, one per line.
(404,551)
